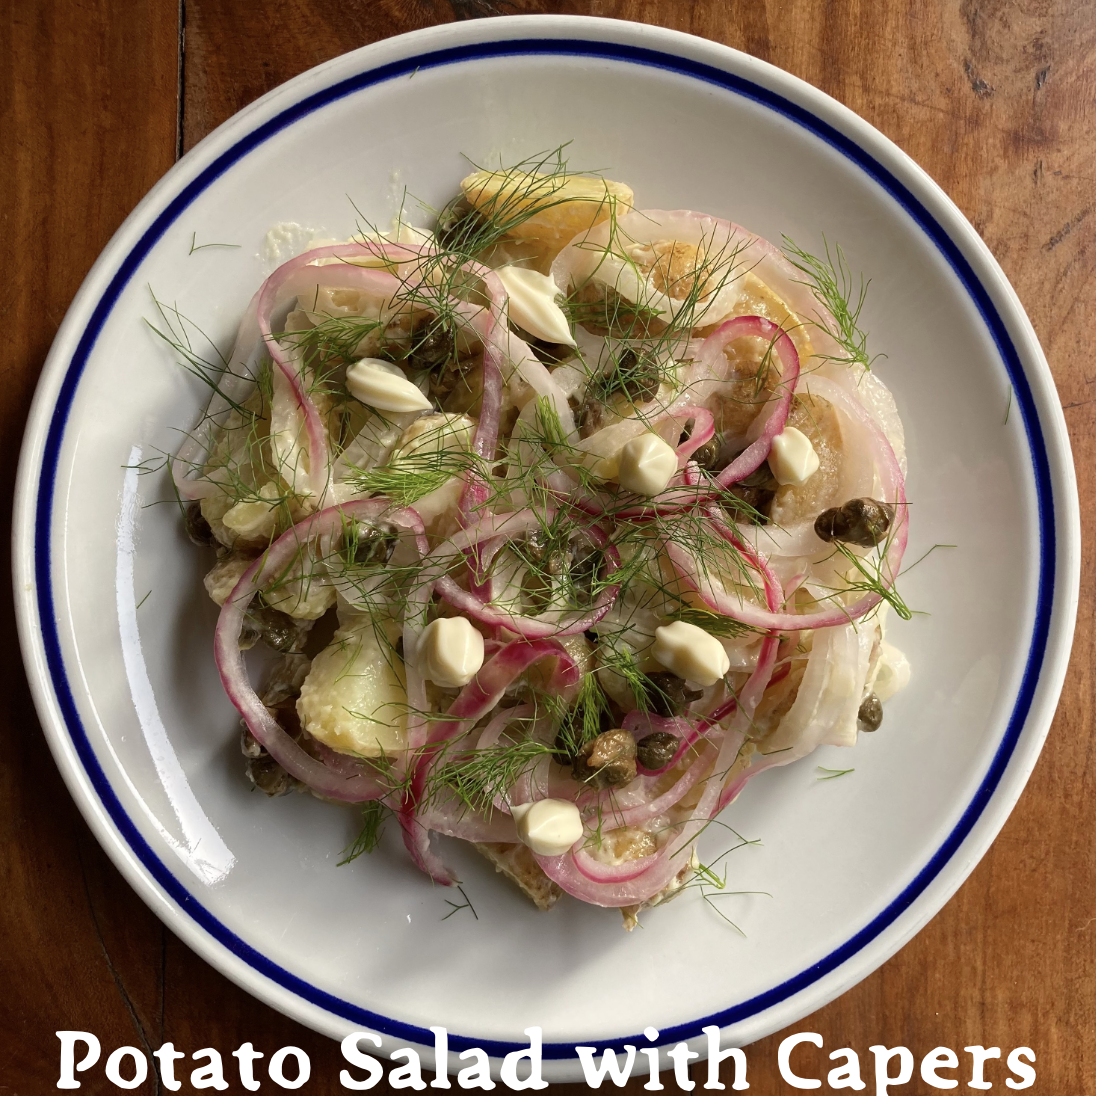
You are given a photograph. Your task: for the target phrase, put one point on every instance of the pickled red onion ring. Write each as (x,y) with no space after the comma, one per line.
(275,561)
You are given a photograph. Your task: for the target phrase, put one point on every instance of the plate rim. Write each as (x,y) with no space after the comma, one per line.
(621,41)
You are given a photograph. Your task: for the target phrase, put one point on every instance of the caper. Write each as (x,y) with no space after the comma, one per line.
(585,566)
(590,417)
(432,347)
(283,685)
(282,632)
(249,744)
(442,384)
(756,502)
(372,546)
(269,777)
(859,521)
(567,745)
(578,557)
(251,632)
(756,492)
(262,770)
(608,761)
(656,750)
(669,695)
(276,629)
(707,456)
(457,224)
(544,550)
(762,477)
(638,377)
(197,528)
(870,715)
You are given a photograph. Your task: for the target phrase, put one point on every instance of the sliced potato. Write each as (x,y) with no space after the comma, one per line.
(626,843)
(817,419)
(565,204)
(305,592)
(758,299)
(225,573)
(673,267)
(354,698)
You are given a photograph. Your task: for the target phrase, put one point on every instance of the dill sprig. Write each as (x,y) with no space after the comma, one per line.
(597,305)
(549,428)
(456,907)
(438,456)
(869,578)
(405,486)
(195,246)
(539,447)
(637,375)
(476,779)
(174,330)
(390,771)
(713,623)
(335,336)
(831,774)
(374,814)
(611,312)
(830,281)
(712,885)
(234,439)
(584,721)
(615,657)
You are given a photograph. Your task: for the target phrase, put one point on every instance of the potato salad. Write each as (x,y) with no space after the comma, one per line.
(563,519)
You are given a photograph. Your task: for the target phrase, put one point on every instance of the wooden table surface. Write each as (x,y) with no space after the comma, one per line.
(994,100)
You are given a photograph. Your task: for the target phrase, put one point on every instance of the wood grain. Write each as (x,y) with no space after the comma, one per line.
(87,124)
(994,100)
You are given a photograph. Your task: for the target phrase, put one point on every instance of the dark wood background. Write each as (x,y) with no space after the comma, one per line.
(995,100)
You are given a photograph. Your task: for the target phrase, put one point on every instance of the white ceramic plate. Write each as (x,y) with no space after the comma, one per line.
(127,689)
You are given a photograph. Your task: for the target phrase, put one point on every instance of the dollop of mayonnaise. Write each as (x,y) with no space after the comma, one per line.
(532,304)
(549,826)
(792,458)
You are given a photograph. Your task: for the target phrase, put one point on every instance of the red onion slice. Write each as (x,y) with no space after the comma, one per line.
(472,602)
(290,280)
(634,816)
(748,612)
(477,698)
(757,452)
(599,872)
(277,559)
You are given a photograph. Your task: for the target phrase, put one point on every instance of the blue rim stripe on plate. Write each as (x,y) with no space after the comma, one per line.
(577,48)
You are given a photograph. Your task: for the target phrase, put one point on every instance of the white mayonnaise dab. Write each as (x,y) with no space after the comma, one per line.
(690,652)
(383,385)
(793,459)
(647,464)
(549,826)
(532,304)
(450,651)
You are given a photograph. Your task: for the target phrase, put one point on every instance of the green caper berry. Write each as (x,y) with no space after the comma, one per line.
(870,715)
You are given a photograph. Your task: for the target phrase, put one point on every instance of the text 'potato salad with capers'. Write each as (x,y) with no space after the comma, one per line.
(565,519)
